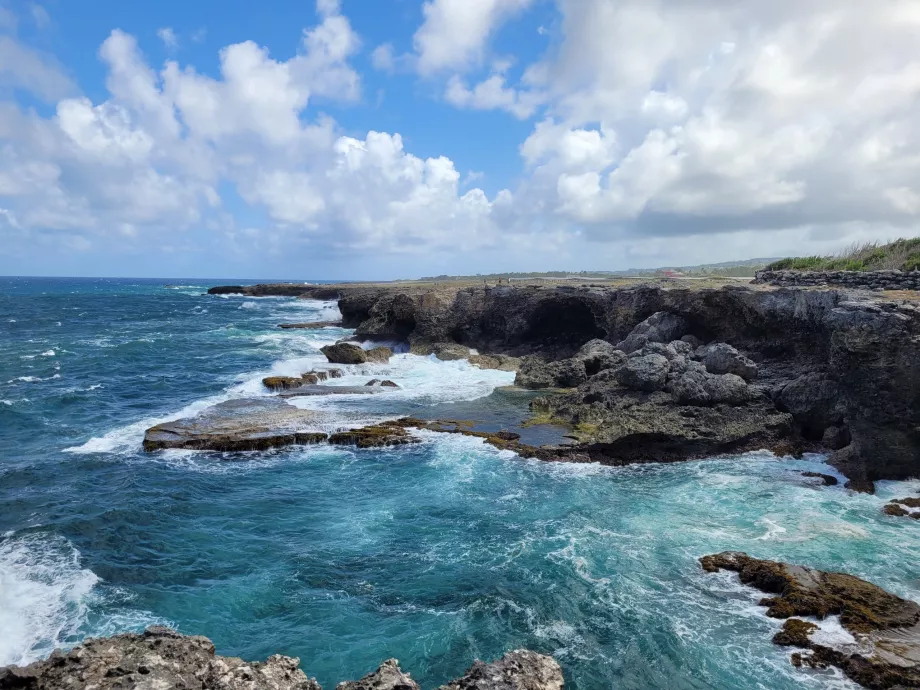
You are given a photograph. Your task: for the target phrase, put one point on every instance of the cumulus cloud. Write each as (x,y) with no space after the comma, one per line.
(492,94)
(168,36)
(23,68)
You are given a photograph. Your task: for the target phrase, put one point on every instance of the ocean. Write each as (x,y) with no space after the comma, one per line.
(436,554)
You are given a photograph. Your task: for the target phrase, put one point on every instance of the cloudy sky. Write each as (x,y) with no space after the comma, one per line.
(400,138)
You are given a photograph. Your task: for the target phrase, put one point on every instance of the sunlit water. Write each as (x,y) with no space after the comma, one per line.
(435,554)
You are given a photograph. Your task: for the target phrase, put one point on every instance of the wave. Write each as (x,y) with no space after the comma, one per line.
(33,379)
(43,597)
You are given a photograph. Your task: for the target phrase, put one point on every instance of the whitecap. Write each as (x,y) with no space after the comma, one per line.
(48,353)
(6,402)
(33,379)
(43,593)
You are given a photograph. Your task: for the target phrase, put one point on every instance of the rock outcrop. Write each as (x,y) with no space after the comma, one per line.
(162,659)
(379,355)
(237,425)
(535,373)
(903,507)
(885,651)
(345,353)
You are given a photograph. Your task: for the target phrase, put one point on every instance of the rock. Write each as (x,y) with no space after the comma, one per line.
(386,383)
(345,353)
(517,670)
(158,658)
(311,391)
(235,425)
(898,507)
(720,358)
(814,400)
(388,676)
(860,486)
(835,437)
(598,355)
(826,479)
(693,386)
(499,362)
(443,351)
(334,373)
(534,373)
(312,324)
(887,628)
(645,373)
(375,436)
(692,341)
(379,355)
(660,327)
(282,383)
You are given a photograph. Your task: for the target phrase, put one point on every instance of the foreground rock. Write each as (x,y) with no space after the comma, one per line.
(162,659)
(376,435)
(903,507)
(237,425)
(345,353)
(158,658)
(885,651)
(310,378)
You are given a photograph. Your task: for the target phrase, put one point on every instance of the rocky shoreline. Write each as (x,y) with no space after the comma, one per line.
(666,374)
(161,658)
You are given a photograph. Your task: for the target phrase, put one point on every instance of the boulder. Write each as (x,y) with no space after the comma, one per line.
(721,358)
(379,355)
(345,353)
(282,383)
(157,658)
(598,355)
(451,351)
(645,373)
(660,327)
(235,425)
(535,373)
(693,386)
(517,670)
(388,676)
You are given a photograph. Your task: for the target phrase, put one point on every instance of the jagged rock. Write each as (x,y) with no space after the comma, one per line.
(692,341)
(375,436)
(814,400)
(694,387)
(887,628)
(835,437)
(234,425)
(388,676)
(443,351)
(826,479)
(899,507)
(660,327)
(386,383)
(282,383)
(534,373)
(517,670)
(379,355)
(721,358)
(598,355)
(645,373)
(345,353)
(157,658)
(499,362)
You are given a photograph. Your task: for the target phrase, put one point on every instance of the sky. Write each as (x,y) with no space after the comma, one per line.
(378,139)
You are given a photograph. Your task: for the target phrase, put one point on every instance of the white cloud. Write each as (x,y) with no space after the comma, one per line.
(492,94)
(39,15)
(168,36)
(24,68)
(382,57)
(455,32)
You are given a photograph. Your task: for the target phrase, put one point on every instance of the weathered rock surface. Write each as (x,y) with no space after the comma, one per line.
(345,353)
(868,348)
(721,358)
(536,373)
(903,507)
(517,670)
(162,659)
(235,425)
(379,355)
(157,658)
(598,355)
(826,479)
(283,383)
(311,391)
(886,628)
(394,433)
(499,362)
(386,383)
(645,373)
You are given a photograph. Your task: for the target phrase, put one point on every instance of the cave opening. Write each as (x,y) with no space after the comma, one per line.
(563,324)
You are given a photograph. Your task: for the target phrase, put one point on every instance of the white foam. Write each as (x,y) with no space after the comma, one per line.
(33,379)
(48,353)
(6,402)
(43,593)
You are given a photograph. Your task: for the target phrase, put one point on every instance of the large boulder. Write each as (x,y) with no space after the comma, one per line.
(722,358)
(379,355)
(534,373)
(660,327)
(598,355)
(644,373)
(345,353)
(517,670)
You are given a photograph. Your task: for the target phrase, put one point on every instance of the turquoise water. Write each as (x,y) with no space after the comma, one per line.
(435,554)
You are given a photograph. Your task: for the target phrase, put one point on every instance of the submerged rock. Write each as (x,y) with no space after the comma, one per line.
(157,658)
(162,659)
(234,425)
(345,353)
(886,628)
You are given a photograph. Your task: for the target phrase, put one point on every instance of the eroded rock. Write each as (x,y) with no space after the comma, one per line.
(660,327)
(393,433)
(388,676)
(517,670)
(235,425)
(886,628)
(499,362)
(535,373)
(345,353)
(379,355)
(720,358)
(645,373)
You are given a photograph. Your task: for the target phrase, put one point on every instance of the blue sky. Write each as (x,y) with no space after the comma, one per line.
(399,138)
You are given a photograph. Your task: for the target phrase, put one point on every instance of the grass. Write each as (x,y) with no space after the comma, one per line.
(903,254)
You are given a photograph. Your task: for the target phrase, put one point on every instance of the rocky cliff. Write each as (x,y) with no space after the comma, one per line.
(844,365)
(161,658)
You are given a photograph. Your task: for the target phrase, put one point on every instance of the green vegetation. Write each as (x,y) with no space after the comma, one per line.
(903,254)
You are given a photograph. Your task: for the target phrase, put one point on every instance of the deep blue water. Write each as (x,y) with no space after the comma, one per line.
(435,554)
